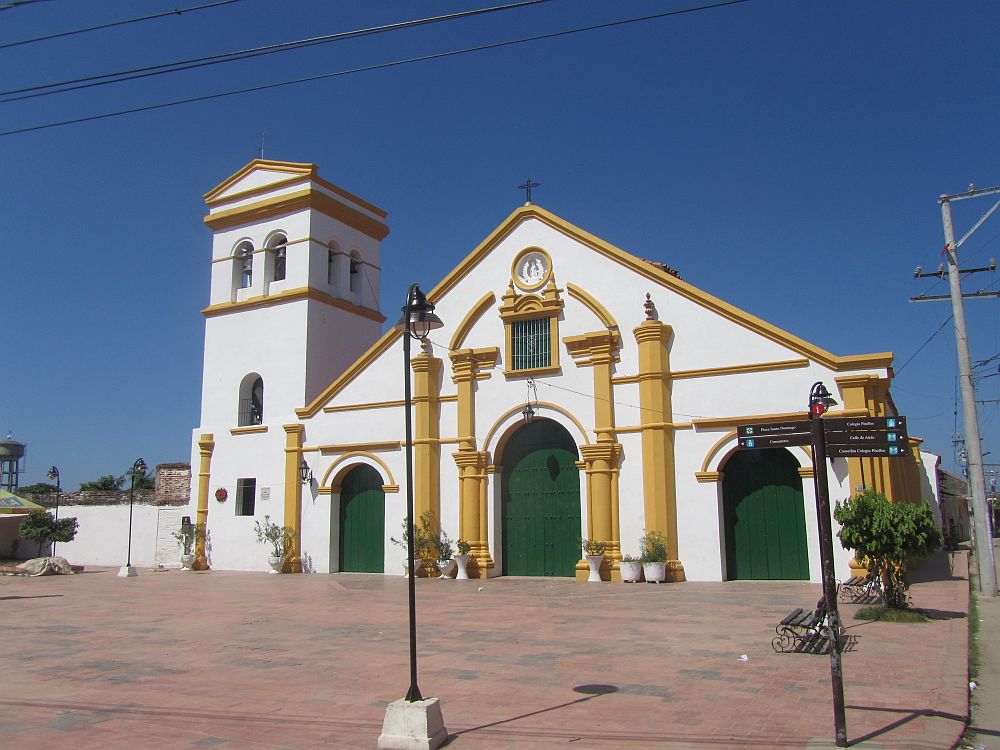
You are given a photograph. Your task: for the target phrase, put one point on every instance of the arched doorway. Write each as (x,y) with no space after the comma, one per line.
(540,496)
(764,516)
(362,521)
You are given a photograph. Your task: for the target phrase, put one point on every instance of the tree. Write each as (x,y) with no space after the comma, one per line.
(41,526)
(886,534)
(39,488)
(105,483)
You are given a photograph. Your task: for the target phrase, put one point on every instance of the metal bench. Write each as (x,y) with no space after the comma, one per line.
(860,590)
(804,631)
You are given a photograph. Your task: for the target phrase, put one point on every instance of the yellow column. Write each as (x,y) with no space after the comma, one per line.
(658,466)
(601,465)
(293,495)
(859,470)
(427,431)
(599,350)
(471,463)
(206,445)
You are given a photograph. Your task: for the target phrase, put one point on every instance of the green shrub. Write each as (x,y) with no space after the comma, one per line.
(41,526)
(885,534)
(652,547)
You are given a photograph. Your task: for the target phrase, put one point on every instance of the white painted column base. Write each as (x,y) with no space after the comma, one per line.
(413,726)
(127,571)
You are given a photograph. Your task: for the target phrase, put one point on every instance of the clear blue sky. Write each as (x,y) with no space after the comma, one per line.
(784,156)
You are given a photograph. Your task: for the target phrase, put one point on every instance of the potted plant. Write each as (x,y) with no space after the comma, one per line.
(462,560)
(279,537)
(594,552)
(654,556)
(630,567)
(445,552)
(422,548)
(188,538)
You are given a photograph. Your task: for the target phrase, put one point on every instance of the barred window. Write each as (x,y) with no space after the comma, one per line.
(531,345)
(246,491)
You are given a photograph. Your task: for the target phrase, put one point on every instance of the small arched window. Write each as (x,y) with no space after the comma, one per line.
(331,265)
(243,259)
(356,271)
(279,245)
(251,407)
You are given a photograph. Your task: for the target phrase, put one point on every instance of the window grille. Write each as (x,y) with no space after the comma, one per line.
(530,344)
(246,490)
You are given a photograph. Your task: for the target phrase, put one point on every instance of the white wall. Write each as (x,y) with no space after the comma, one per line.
(102,536)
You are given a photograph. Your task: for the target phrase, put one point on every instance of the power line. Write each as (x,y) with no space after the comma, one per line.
(940,328)
(18,3)
(105,79)
(112,24)
(367,68)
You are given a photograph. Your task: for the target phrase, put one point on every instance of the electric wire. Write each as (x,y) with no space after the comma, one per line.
(18,3)
(919,348)
(368,68)
(112,24)
(105,79)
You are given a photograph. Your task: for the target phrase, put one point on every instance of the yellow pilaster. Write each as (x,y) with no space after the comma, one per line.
(206,445)
(601,465)
(293,495)
(599,351)
(427,431)
(658,465)
(471,463)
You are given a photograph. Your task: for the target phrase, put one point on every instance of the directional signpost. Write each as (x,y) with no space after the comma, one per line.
(834,437)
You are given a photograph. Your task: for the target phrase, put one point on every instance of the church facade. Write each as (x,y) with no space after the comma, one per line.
(637,381)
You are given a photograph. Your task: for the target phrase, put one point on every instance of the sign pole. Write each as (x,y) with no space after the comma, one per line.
(829,582)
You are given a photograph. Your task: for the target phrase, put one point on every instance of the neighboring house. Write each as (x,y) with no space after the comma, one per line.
(954,494)
(638,381)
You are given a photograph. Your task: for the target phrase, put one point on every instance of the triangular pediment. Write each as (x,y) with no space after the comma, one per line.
(652,272)
(259,176)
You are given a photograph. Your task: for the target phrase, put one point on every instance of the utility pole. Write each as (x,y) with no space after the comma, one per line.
(973,444)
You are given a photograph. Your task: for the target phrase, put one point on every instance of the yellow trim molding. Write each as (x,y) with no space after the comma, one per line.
(470,319)
(301,172)
(325,483)
(792,416)
(591,303)
(380,405)
(708,372)
(292,295)
(389,445)
(706,477)
(727,438)
(248,430)
(543,404)
(661,278)
(524,287)
(300,200)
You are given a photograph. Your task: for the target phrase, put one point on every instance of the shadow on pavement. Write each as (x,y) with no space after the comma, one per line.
(911,714)
(592,691)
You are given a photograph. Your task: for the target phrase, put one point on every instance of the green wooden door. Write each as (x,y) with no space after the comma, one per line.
(764,516)
(540,492)
(362,522)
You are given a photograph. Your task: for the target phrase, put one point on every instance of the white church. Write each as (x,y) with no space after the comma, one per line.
(637,380)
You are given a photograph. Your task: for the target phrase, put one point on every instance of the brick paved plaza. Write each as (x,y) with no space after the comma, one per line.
(251,660)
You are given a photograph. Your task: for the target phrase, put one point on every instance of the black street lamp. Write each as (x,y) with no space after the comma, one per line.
(820,401)
(54,474)
(418,320)
(138,470)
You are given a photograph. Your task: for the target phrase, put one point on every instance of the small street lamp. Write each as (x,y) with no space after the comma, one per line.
(54,475)
(138,470)
(305,473)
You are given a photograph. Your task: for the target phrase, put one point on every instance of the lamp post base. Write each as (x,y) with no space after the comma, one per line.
(127,571)
(413,726)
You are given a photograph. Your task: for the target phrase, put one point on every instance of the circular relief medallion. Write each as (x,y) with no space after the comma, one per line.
(532,269)
(221,494)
